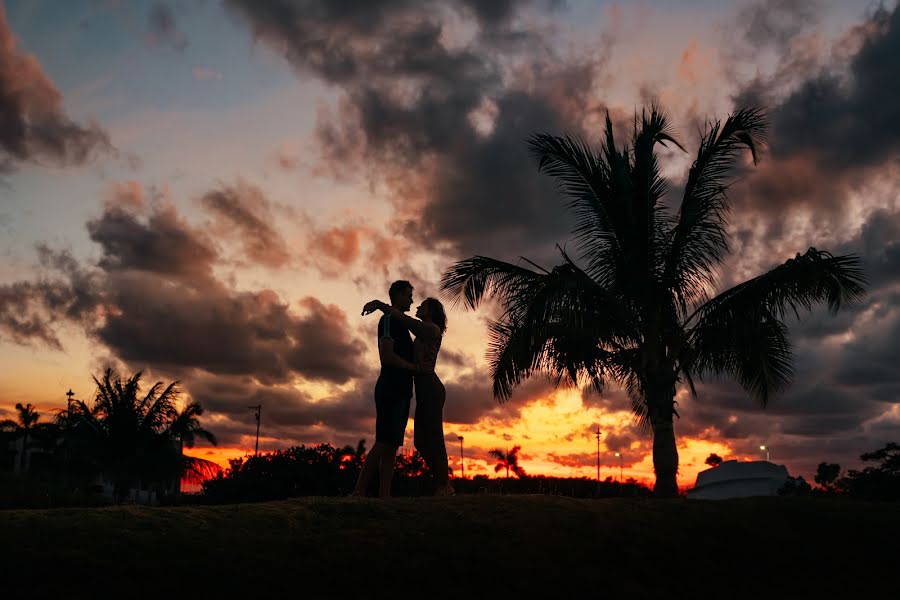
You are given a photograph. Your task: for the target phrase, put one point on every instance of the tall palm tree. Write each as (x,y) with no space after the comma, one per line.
(125,431)
(635,308)
(508,460)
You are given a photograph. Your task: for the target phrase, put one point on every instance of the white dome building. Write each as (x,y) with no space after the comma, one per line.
(734,479)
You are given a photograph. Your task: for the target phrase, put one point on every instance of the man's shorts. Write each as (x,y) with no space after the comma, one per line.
(392,402)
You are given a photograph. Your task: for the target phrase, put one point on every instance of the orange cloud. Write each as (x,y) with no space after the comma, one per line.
(694,64)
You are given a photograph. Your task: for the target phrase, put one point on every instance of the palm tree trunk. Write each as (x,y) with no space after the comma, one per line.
(665,456)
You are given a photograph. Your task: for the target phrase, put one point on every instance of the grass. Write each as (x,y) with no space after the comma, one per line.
(461,547)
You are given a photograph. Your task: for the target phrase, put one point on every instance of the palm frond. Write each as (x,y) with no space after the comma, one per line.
(556,324)
(699,239)
(584,179)
(515,352)
(757,353)
(195,470)
(741,331)
(478,278)
(797,284)
(649,239)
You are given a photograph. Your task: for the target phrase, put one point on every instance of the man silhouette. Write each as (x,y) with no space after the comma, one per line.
(393,393)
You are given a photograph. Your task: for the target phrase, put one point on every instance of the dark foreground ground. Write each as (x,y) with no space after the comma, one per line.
(462,547)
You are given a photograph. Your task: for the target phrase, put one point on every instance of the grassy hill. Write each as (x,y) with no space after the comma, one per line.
(461,547)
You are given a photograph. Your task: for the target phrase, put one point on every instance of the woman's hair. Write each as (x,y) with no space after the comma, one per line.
(436,310)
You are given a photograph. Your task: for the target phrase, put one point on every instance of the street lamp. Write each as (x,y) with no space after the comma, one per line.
(597,433)
(621,459)
(462,460)
(69,395)
(766,450)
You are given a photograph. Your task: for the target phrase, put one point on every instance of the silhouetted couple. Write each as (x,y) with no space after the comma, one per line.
(407,364)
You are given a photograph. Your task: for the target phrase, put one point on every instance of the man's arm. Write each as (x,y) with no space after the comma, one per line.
(416,326)
(389,357)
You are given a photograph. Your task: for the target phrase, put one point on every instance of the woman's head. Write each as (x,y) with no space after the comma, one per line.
(433,310)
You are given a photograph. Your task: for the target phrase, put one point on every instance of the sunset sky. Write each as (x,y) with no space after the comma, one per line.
(209,191)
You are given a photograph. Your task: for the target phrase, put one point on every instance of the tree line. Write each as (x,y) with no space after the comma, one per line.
(326,470)
(127,443)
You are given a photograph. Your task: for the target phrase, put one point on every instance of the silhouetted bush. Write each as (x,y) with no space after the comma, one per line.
(880,482)
(795,486)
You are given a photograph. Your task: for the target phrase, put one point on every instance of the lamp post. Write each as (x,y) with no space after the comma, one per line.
(258,409)
(621,459)
(766,450)
(597,433)
(462,459)
(69,395)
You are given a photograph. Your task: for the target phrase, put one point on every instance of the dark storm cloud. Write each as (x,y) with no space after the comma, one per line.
(244,211)
(778,22)
(152,300)
(216,329)
(834,130)
(288,415)
(161,242)
(30,311)
(849,124)
(33,125)
(471,399)
(163,27)
(443,124)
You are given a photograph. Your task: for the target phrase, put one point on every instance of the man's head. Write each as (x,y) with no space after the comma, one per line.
(401,294)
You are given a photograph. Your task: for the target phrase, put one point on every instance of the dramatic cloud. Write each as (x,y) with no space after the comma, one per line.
(289,416)
(243,210)
(152,300)
(441,118)
(162,243)
(33,126)
(63,292)
(778,22)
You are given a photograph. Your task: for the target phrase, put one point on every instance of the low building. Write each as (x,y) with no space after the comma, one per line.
(735,479)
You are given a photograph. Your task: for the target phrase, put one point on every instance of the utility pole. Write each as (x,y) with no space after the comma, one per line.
(462,459)
(258,409)
(598,454)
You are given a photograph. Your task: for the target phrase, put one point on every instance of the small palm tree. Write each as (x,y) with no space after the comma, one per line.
(33,433)
(509,461)
(184,428)
(635,308)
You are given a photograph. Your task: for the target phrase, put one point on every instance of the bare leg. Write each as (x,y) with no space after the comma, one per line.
(429,432)
(370,467)
(386,470)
